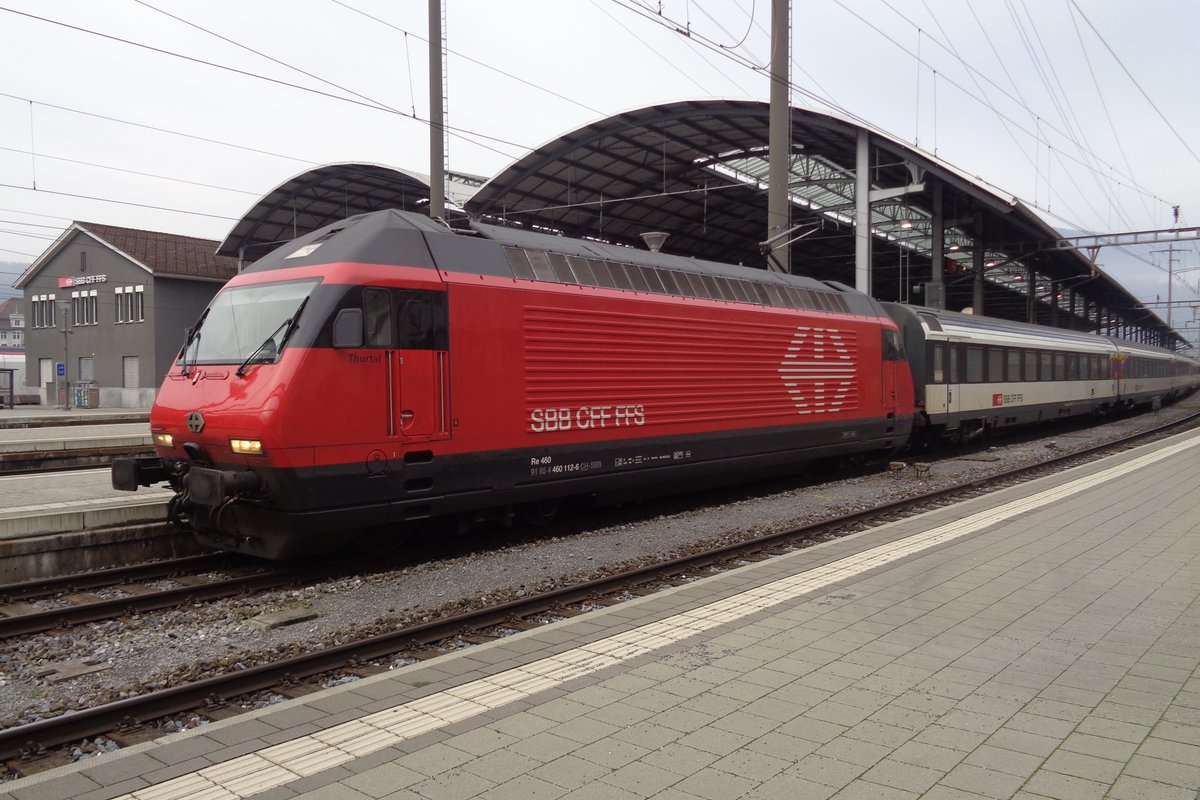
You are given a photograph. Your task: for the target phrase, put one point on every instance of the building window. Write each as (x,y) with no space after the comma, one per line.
(83,308)
(87,368)
(43,311)
(130,303)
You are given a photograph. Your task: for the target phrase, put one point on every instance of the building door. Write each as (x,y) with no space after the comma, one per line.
(46,376)
(131,370)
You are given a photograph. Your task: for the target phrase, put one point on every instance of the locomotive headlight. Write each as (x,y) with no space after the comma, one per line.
(164,440)
(246,447)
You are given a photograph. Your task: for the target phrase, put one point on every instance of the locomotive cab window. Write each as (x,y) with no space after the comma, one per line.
(248,322)
(406,319)
(377,317)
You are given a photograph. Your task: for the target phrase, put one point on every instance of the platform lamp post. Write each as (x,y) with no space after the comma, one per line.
(66,308)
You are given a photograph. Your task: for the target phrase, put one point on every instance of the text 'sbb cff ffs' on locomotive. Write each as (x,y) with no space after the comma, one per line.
(386,369)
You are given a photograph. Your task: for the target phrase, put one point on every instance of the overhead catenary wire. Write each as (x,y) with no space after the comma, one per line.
(372,105)
(1134,80)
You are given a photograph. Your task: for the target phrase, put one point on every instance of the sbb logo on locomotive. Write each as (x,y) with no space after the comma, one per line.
(546,420)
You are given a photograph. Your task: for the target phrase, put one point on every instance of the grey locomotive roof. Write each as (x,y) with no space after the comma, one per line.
(589,248)
(408,239)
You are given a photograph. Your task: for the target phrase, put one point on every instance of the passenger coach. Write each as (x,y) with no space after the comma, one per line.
(971,374)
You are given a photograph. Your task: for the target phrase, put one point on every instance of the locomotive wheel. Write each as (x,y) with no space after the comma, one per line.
(539,512)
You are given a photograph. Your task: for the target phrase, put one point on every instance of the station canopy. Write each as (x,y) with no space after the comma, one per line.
(697,170)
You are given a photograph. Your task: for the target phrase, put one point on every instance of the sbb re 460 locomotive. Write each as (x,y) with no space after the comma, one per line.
(386,369)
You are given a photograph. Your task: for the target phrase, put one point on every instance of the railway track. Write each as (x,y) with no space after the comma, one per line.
(25,746)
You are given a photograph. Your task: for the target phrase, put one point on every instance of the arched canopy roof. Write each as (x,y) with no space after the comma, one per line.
(698,171)
(317,197)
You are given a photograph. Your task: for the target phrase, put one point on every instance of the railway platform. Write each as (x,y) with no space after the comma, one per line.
(80,499)
(56,522)
(53,416)
(1042,641)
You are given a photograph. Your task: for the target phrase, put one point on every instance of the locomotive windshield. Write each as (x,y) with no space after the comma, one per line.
(242,320)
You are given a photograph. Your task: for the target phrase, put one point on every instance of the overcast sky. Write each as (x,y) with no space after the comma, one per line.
(176,116)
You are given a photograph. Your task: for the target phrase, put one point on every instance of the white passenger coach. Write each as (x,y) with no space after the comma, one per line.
(973,373)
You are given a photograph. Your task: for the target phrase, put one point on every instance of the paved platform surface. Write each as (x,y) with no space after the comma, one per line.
(1040,642)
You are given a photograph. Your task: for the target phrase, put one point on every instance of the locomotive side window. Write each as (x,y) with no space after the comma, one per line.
(519,261)
(619,275)
(423,320)
(540,263)
(654,281)
(377,318)
(581,270)
(739,290)
(638,276)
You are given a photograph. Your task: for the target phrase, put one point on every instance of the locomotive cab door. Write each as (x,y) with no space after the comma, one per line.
(421,380)
(410,325)
(893,355)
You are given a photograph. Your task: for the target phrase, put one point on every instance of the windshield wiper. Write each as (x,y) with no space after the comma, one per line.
(193,336)
(284,331)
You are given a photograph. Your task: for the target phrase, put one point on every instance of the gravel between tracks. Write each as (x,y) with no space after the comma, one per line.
(159,649)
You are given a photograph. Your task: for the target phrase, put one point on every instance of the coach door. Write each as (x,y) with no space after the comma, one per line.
(940,388)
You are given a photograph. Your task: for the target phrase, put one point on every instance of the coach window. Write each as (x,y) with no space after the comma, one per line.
(1060,367)
(1031,365)
(937,363)
(1045,366)
(377,317)
(952,355)
(995,357)
(1072,366)
(974,365)
(1014,365)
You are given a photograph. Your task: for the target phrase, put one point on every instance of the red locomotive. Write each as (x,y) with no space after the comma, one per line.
(387,369)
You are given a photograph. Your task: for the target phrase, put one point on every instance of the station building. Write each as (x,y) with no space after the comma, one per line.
(107,308)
